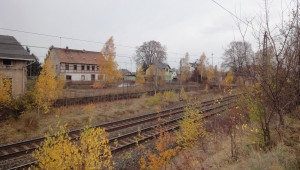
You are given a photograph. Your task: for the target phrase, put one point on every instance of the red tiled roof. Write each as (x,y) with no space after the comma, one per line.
(77,56)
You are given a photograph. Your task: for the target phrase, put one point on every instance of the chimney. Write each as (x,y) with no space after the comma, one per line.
(67,49)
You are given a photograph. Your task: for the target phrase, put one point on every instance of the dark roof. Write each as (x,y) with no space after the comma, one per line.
(125,71)
(10,48)
(67,55)
(162,65)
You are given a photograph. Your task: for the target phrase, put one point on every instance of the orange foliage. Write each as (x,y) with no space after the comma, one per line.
(164,145)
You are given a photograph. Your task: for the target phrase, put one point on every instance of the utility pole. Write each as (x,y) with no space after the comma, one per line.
(298,53)
(180,69)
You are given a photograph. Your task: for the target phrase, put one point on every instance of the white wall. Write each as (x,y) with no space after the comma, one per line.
(77,76)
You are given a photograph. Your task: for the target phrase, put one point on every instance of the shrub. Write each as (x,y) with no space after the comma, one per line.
(191,127)
(164,151)
(169,96)
(16,106)
(183,94)
(90,108)
(60,152)
(155,100)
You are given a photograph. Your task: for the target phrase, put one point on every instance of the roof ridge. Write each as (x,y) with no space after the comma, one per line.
(69,49)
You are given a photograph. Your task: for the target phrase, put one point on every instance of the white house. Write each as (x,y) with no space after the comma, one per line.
(75,65)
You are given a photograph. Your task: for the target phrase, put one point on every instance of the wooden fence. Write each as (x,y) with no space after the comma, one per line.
(113,97)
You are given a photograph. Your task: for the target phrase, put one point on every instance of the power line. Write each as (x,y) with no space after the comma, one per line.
(73,39)
(60,37)
(230,12)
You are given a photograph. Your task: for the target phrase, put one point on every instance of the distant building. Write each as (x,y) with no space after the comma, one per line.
(13,61)
(163,67)
(173,74)
(127,75)
(75,65)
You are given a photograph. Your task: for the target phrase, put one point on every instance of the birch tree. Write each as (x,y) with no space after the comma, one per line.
(107,65)
(47,88)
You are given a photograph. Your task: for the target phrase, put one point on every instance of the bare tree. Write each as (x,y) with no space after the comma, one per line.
(149,53)
(237,56)
(274,66)
(184,68)
(202,66)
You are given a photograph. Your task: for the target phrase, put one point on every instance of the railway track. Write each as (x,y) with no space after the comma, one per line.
(126,140)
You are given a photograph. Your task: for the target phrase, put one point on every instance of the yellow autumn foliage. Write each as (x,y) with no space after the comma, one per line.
(140,79)
(61,152)
(228,79)
(164,152)
(107,66)
(47,88)
(210,74)
(191,127)
(169,96)
(206,88)
(184,96)
(5,90)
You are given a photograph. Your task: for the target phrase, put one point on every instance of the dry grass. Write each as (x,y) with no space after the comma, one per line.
(216,153)
(30,126)
(69,93)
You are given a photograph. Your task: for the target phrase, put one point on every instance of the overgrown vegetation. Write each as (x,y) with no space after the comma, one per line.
(60,151)
(191,127)
(47,88)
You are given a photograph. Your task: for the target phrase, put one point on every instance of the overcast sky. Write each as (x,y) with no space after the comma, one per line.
(193,26)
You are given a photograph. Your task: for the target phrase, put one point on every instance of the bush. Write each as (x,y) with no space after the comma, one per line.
(16,107)
(191,127)
(155,100)
(164,150)
(183,94)
(169,96)
(60,152)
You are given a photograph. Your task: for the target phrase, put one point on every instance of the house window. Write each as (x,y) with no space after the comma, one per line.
(93,68)
(6,62)
(88,68)
(75,67)
(67,66)
(82,77)
(82,67)
(68,77)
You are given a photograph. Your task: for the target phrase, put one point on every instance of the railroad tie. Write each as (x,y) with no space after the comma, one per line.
(35,145)
(15,149)
(25,147)
(4,152)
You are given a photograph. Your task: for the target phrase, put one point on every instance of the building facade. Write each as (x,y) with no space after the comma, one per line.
(75,65)
(162,67)
(13,62)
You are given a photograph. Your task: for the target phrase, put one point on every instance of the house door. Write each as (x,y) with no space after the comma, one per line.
(93,77)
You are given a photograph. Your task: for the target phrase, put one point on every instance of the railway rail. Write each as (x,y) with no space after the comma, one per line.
(126,140)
